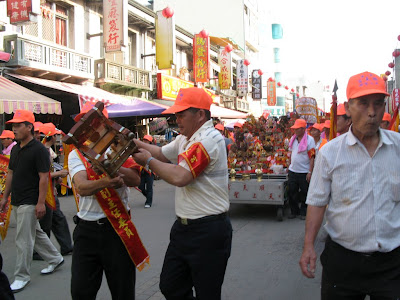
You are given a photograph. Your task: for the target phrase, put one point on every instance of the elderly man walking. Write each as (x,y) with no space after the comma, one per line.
(201,237)
(301,166)
(356,182)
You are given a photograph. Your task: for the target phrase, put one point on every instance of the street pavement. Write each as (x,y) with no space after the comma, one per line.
(263,264)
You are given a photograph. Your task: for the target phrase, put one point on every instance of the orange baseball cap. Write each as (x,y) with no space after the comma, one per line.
(365,83)
(86,107)
(219,126)
(48,129)
(237,124)
(341,110)
(37,125)
(148,137)
(327,124)
(7,134)
(386,117)
(22,115)
(299,123)
(317,126)
(190,97)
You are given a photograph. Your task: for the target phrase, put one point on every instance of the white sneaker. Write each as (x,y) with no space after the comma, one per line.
(18,285)
(51,268)
(147,206)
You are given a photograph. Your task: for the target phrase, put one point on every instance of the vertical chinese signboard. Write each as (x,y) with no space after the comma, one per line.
(225,76)
(21,11)
(115,15)
(256,85)
(201,58)
(165,41)
(271,93)
(395,99)
(242,78)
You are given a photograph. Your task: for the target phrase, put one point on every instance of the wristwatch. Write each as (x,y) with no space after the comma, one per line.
(148,162)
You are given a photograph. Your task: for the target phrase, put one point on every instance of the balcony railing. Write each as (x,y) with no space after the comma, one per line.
(111,72)
(41,55)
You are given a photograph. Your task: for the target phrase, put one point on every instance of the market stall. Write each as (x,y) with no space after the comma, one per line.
(258,162)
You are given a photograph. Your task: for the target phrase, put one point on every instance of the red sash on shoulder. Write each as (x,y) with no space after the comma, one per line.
(5,214)
(116,213)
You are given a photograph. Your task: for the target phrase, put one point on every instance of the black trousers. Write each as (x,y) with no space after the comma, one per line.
(298,189)
(98,248)
(55,220)
(5,290)
(197,257)
(352,275)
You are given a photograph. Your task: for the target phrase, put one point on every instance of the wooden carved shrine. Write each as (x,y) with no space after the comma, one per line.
(105,143)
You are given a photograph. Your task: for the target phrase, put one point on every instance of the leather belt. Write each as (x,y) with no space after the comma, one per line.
(100,222)
(185,221)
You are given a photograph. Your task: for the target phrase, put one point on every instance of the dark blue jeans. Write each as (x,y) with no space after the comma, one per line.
(146,186)
(298,189)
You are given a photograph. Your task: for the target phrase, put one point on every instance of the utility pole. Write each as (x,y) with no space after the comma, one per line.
(397,71)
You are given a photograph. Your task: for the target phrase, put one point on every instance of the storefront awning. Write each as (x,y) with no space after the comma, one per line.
(84,93)
(216,111)
(13,97)
(135,107)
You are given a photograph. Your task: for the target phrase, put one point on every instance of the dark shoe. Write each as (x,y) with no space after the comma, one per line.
(36,256)
(291,216)
(65,253)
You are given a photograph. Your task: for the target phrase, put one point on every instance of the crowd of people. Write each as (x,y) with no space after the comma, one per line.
(351,180)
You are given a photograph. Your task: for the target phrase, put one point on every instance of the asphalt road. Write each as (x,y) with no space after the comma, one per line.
(263,263)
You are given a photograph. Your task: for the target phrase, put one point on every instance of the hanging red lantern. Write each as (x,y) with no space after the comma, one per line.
(279,84)
(292,90)
(246,62)
(396,53)
(168,12)
(398,38)
(388,73)
(270,79)
(384,78)
(297,95)
(260,72)
(391,65)
(286,87)
(228,48)
(204,34)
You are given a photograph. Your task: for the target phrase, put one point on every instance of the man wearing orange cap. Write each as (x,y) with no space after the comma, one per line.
(147,178)
(315,132)
(7,140)
(98,247)
(326,130)
(386,121)
(343,120)
(301,166)
(356,187)
(36,127)
(27,181)
(201,237)
(55,219)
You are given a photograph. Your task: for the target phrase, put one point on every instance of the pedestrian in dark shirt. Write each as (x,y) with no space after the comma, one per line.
(27,182)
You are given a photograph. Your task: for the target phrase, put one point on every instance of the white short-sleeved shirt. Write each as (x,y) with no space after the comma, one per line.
(362,192)
(300,162)
(207,194)
(89,208)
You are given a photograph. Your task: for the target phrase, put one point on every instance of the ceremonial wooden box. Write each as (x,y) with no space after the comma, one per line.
(105,143)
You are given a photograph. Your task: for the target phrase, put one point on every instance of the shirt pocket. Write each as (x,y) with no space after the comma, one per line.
(345,189)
